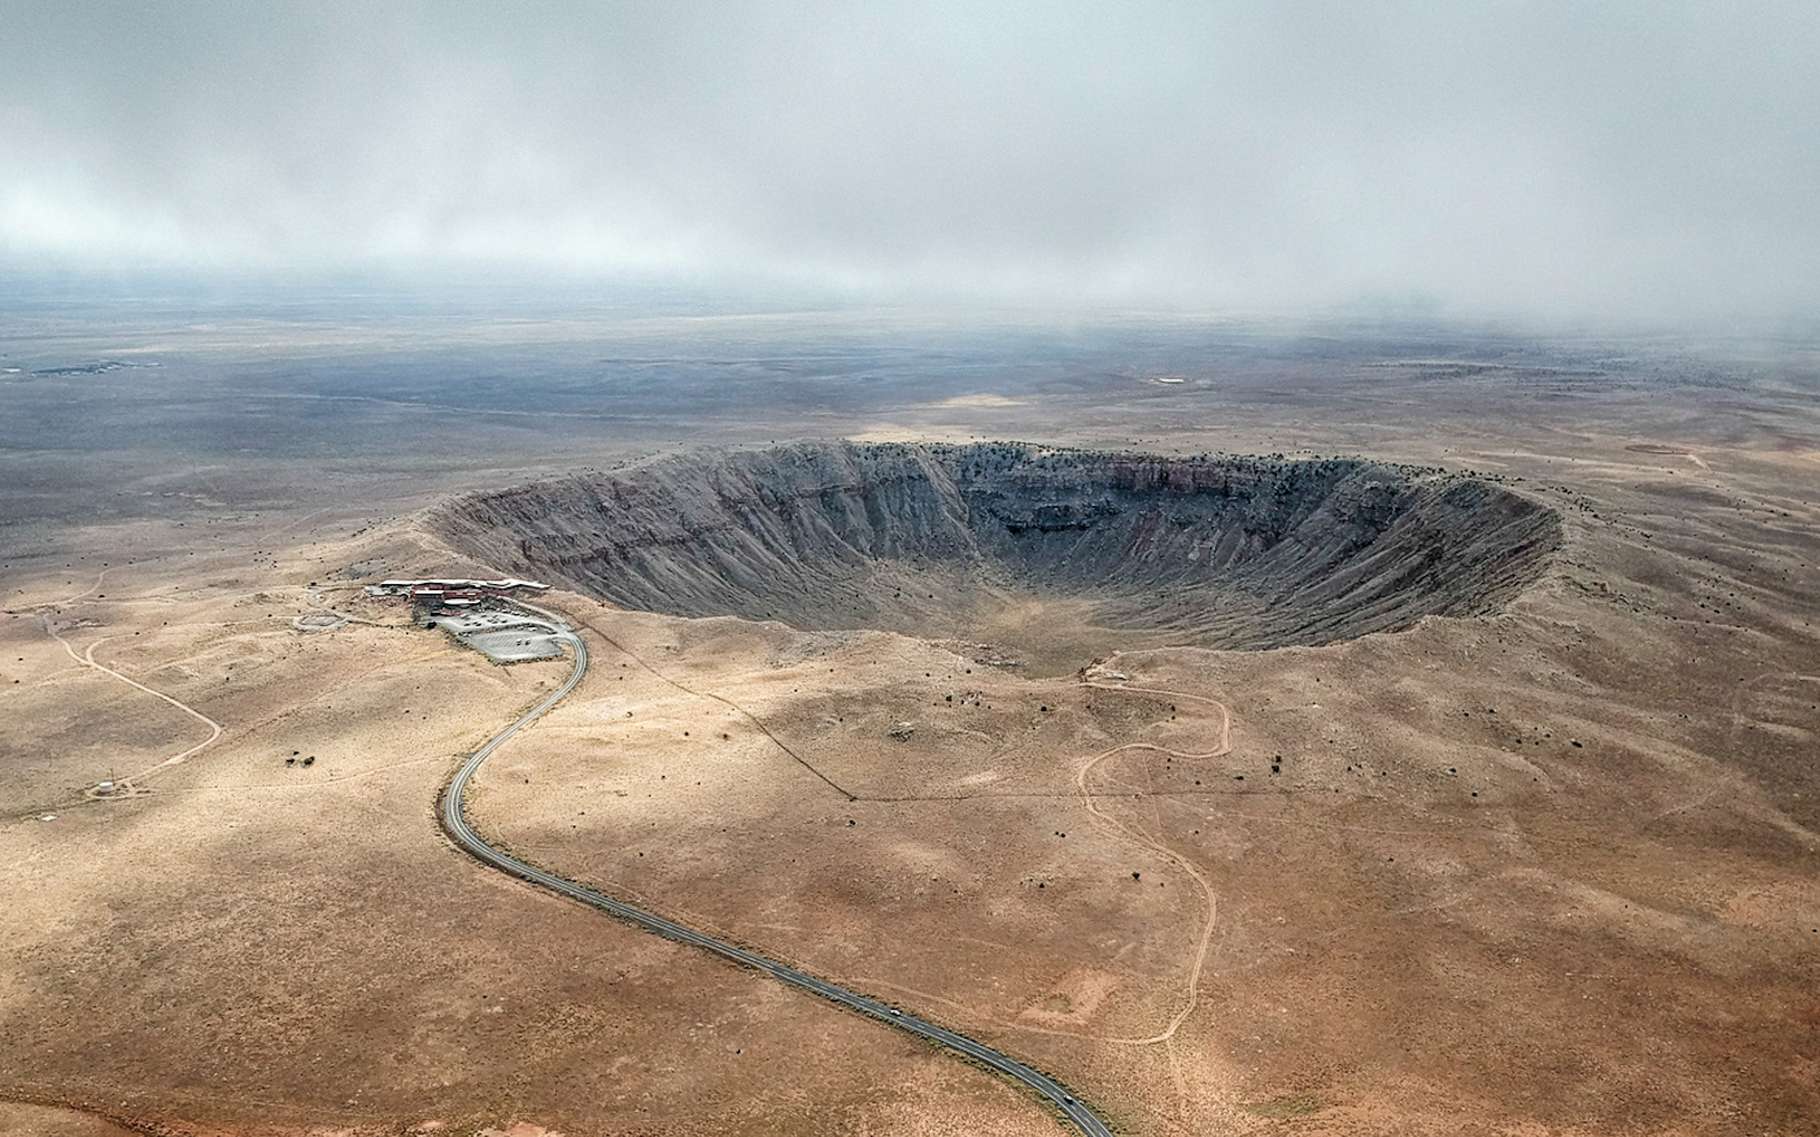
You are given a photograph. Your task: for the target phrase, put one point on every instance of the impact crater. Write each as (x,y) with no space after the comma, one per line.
(1044,556)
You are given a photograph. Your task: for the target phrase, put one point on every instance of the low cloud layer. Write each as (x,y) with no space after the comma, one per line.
(1650,158)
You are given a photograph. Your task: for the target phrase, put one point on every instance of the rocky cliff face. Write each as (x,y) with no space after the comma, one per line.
(930,540)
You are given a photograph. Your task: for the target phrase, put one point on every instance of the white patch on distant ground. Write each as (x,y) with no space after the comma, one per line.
(979,400)
(893,432)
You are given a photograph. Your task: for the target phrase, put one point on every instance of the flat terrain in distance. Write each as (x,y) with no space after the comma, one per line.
(1553,869)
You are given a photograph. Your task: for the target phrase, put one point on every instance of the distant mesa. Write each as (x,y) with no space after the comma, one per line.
(1063,553)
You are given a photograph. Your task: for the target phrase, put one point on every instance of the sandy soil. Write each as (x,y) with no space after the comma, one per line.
(1552,871)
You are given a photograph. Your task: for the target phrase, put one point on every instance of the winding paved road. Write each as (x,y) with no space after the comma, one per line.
(455,823)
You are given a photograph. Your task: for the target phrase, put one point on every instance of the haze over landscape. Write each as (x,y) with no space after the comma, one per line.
(1564,160)
(899,570)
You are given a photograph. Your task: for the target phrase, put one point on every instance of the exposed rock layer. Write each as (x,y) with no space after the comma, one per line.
(934,540)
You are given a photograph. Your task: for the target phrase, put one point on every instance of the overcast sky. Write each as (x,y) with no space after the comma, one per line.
(1654,158)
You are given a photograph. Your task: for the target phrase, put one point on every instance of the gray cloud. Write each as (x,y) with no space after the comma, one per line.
(1618,158)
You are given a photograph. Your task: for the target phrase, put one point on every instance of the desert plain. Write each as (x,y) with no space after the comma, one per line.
(1528,845)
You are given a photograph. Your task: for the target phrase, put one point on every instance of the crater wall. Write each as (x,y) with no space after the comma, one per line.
(995,540)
